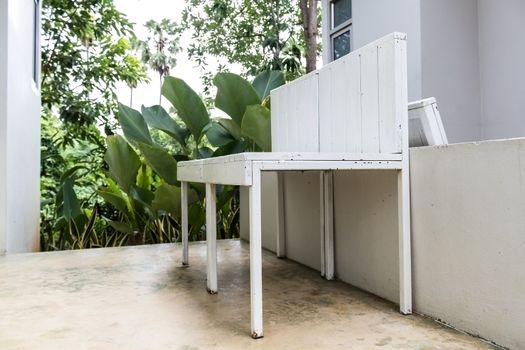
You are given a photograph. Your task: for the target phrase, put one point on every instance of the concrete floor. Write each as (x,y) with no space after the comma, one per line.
(141,298)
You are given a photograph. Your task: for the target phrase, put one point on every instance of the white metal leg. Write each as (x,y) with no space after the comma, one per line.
(327,222)
(211,238)
(256,255)
(184,214)
(321,220)
(405,266)
(281,238)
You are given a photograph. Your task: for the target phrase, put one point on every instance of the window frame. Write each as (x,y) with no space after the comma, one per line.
(36,43)
(334,32)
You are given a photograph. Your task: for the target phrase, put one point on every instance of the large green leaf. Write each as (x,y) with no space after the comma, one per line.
(160,161)
(234,94)
(231,126)
(217,134)
(142,200)
(256,125)
(71,205)
(237,146)
(115,199)
(267,81)
(122,160)
(188,104)
(133,125)
(167,199)
(157,117)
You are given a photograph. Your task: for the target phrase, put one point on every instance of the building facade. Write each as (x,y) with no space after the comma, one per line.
(468,54)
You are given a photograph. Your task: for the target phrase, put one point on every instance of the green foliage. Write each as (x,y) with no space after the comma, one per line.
(189,106)
(148,193)
(234,94)
(256,125)
(257,35)
(85,53)
(266,82)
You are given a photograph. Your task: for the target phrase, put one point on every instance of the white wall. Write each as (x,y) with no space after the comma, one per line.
(20,130)
(468,234)
(3,121)
(502,67)
(450,64)
(373,19)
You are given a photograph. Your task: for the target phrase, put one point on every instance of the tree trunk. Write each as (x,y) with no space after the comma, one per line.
(309,16)
(130,97)
(160,89)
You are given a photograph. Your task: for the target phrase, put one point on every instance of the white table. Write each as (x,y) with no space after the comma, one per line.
(245,169)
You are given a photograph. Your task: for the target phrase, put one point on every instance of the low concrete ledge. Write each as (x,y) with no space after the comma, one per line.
(468,233)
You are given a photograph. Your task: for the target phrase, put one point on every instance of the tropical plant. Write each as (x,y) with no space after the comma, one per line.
(160,48)
(143,184)
(257,35)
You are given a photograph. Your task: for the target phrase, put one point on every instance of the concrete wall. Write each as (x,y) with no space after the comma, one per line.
(377,18)
(468,229)
(19,130)
(468,234)
(502,68)
(3,121)
(450,64)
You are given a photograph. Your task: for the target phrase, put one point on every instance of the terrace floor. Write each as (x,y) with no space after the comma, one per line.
(141,298)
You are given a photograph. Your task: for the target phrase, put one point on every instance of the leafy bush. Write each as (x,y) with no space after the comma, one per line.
(141,184)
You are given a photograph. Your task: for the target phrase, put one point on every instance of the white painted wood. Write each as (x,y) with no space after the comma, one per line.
(329,165)
(358,123)
(327,196)
(405,262)
(340,106)
(281,234)
(184,219)
(211,238)
(256,255)
(295,107)
(370,99)
(425,124)
(405,265)
(322,223)
(389,132)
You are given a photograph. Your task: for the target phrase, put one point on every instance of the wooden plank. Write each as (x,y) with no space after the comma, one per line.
(211,238)
(278,104)
(328,215)
(280,215)
(405,265)
(256,301)
(389,133)
(295,115)
(370,99)
(328,165)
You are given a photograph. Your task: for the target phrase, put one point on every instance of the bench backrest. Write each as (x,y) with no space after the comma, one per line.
(356,104)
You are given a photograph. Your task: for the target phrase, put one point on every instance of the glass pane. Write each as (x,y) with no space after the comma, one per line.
(341,11)
(341,44)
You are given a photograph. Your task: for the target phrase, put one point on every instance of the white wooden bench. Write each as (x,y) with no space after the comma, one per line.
(349,115)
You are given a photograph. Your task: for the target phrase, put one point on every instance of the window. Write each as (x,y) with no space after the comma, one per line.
(36,42)
(340,28)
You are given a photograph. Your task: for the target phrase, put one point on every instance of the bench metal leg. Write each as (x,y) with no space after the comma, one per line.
(327,225)
(281,238)
(184,214)
(405,266)
(256,256)
(211,238)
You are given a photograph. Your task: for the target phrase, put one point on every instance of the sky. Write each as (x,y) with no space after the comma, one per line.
(139,12)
